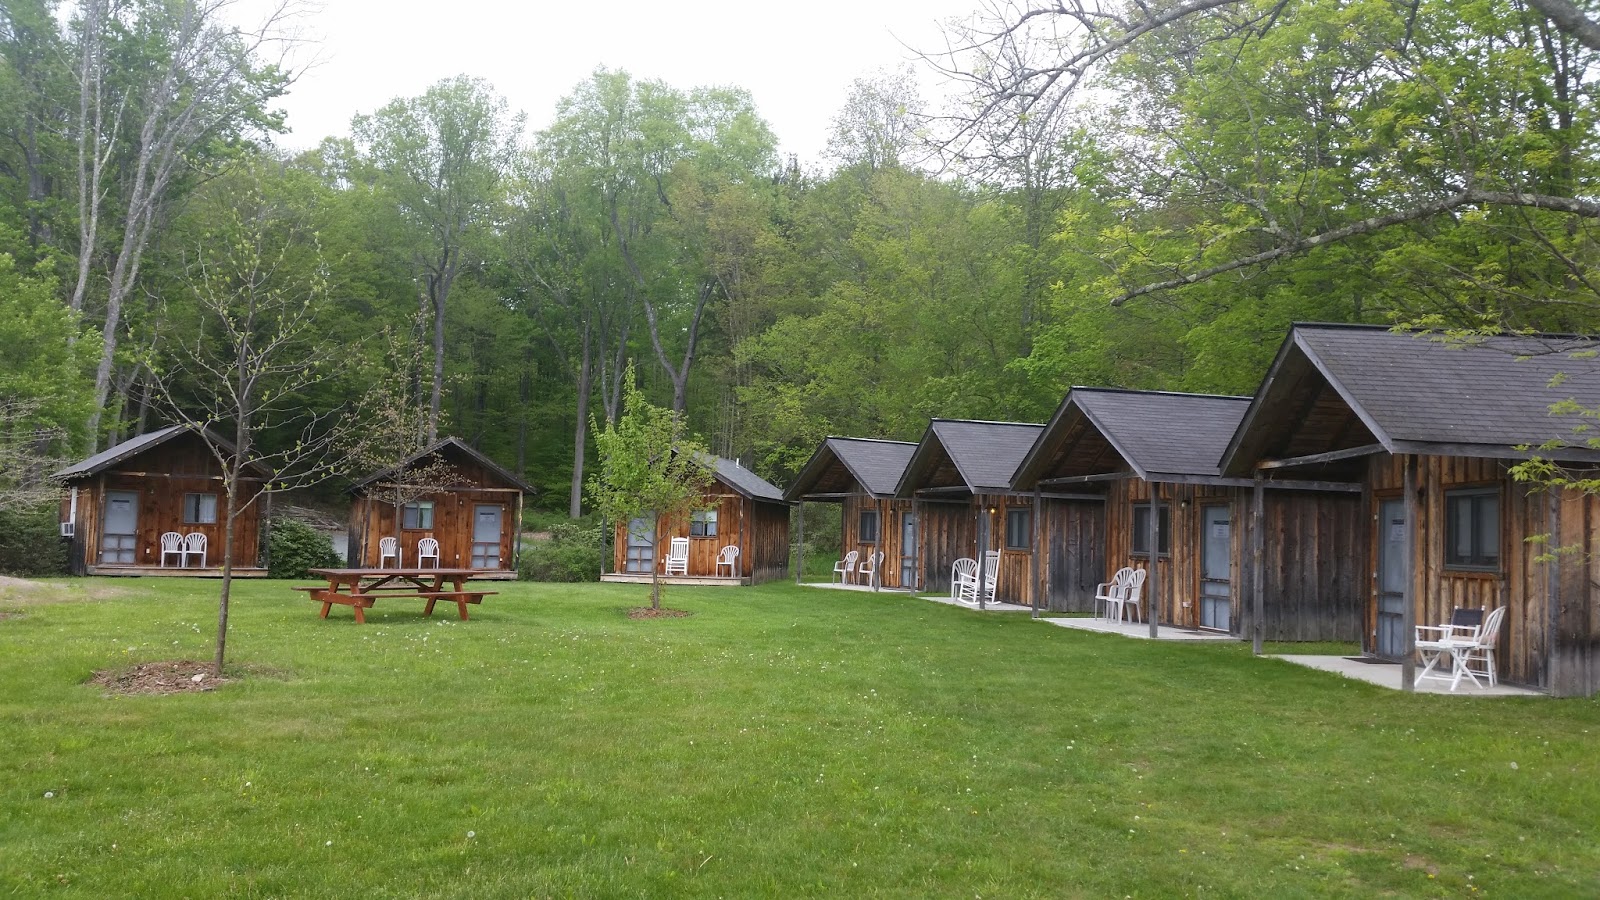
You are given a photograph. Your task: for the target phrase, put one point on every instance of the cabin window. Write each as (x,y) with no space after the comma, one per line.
(199,509)
(867,533)
(1472,529)
(417,515)
(1019,528)
(1141,529)
(703,523)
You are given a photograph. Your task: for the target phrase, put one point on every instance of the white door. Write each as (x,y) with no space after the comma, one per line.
(486,536)
(118,540)
(1216,594)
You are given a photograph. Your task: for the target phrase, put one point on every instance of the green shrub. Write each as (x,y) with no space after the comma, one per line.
(296,547)
(573,553)
(30,541)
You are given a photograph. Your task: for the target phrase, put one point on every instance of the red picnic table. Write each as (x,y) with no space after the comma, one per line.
(360,588)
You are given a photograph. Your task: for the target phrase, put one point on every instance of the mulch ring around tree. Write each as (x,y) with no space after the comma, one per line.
(645,612)
(181,676)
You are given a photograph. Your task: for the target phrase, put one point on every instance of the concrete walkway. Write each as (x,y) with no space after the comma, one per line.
(836,586)
(1388,675)
(991,606)
(1139,630)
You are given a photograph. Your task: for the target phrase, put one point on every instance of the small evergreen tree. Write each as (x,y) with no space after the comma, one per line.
(650,466)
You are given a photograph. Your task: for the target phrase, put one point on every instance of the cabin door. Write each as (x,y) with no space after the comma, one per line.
(641,555)
(1391,643)
(1216,587)
(119,539)
(486,521)
(908,550)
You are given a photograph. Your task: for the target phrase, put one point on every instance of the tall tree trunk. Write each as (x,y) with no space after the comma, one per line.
(581,431)
(232,491)
(438,362)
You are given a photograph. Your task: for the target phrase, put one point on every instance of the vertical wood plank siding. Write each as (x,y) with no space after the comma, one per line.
(1074,539)
(372,519)
(949,532)
(891,513)
(760,530)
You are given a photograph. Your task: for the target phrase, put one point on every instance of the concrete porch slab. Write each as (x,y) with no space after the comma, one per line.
(992,606)
(1139,630)
(1388,675)
(836,586)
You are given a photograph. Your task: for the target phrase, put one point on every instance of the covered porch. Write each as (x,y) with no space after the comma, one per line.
(691,580)
(1139,630)
(1388,674)
(176,571)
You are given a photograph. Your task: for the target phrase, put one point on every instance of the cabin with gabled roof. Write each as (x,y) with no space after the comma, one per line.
(119,503)
(861,474)
(1153,459)
(1428,430)
(740,510)
(449,492)
(959,478)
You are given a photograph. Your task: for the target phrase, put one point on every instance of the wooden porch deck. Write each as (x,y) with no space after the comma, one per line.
(175,571)
(692,580)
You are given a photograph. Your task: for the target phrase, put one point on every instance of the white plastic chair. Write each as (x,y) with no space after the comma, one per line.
(677,561)
(1109,591)
(428,548)
(844,567)
(728,557)
(1469,645)
(171,544)
(388,548)
(193,545)
(1131,594)
(869,567)
(963,578)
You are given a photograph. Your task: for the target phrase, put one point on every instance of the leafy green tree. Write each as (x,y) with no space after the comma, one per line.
(650,467)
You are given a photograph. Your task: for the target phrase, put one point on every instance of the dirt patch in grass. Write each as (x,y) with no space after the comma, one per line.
(32,593)
(645,612)
(1417,862)
(10,614)
(179,676)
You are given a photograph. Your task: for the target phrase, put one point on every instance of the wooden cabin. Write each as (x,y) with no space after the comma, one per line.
(742,510)
(861,474)
(120,502)
(449,492)
(1129,448)
(1427,431)
(959,478)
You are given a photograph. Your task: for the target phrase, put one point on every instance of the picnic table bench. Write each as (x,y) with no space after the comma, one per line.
(360,588)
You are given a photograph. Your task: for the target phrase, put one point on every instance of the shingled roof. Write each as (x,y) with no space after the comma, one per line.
(134,446)
(980,456)
(1149,433)
(1343,387)
(446,446)
(873,465)
(747,483)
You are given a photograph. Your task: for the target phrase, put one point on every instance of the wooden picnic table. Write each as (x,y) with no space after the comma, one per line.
(360,588)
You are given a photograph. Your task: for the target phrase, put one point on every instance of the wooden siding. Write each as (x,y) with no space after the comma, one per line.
(768,542)
(373,518)
(1551,635)
(891,518)
(949,532)
(161,476)
(1074,537)
(1178,572)
(760,530)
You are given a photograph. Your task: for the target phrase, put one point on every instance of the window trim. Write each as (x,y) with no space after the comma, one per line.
(1163,511)
(1027,529)
(418,505)
(877,527)
(1450,522)
(198,520)
(703,517)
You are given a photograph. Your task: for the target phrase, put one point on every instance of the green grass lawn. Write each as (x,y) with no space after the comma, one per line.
(782,741)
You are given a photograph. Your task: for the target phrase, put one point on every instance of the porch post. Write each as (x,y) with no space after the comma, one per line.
(1258,567)
(1155,560)
(1408,623)
(800,542)
(983,546)
(1038,549)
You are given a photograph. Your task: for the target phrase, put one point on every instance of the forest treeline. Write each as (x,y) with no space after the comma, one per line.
(1118,194)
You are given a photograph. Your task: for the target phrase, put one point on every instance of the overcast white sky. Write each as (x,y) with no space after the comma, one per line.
(797,59)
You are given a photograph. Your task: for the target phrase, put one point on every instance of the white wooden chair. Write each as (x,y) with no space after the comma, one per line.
(846,566)
(966,591)
(728,557)
(171,544)
(1468,640)
(388,548)
(963,578)
(868,569)
(1131,594)
(677,561)
(194,545)
(428,548)
(1107,591)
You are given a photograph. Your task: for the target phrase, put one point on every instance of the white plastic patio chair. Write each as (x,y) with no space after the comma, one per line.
(868,569)
(1468,640)
(964,579)
(428,548)
(388,548)
(171,544)
(1108,591)
(677,561)
(844,567)
(194,545)
(728,557)
(1131,594)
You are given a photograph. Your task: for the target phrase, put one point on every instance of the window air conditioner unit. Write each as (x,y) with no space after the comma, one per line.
(66,529)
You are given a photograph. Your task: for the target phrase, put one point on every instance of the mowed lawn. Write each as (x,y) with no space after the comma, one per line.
(781,741)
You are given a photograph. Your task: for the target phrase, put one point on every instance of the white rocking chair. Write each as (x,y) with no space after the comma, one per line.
(193,545)
(968,592)
(1468,644)
(171,545)
(388,548)
(428,548)
(963,578)
(677,561)
(846,566)
(728,557)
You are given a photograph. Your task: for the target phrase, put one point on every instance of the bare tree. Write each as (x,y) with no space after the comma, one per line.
(28,454)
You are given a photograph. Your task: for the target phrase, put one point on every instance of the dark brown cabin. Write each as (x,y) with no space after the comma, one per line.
(120,502)
(1428,431)
(860,474)
(1127,446)
(960,479)
(473,509)
(742,510)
